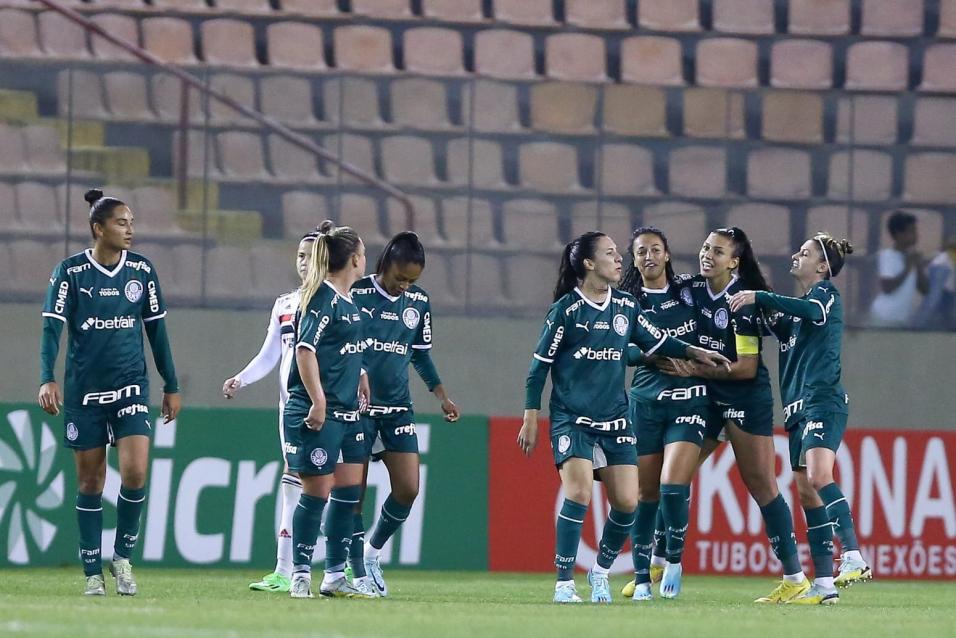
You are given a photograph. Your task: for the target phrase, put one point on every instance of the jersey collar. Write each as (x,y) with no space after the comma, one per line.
(347,298)
(102,268)
(381,290)
(723,292)
(607,300)
(657,291)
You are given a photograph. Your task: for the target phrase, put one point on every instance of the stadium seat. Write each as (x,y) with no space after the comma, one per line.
(38,208)
(495,106)
(530,224)
(302,211)
(635,111)
(713,113)
(32,263)
(354,149)
(293,163)
(668,15)
(730,62)
(13,159)
(872,176)
(154,210)
(434,51)
(18,35)
(169,39)
(182,5)
(241,156)
(754,17)
(361,213)
(596,14)
(76,212)
(198,151)
(127,97)
(685,225)
(801,64)
(61,37)
(842,222)
(536,13)
(933,122)
(819,17)
(186,279)
(228,273)
(8,206)
(167,93)
(382,8)
(792,116)
(947,19)
(460,231)
(419,104)
(524,280)
(288,99)
(453,10)
(874,119)
(244,6)
(479,276)
(123,27)
(549,167)
(426,219)
(575,56)
(778,173)
(239,88)
(877,66)
(436,281)
(652,60)
(930,177)
(87,96)
(484,166)
(626,169)
(272,269)
(698,171)
(311,8)
(939,68)
(563,107)
(363,48)
(897,18)
(767,226)
(614,220)
(504,54)
(295,45)
(44,152)
(930,223)
(408,160)
(357,99)
(228,42)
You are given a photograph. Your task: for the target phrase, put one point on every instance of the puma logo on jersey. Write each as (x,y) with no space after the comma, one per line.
(583,325)
(88,291)
(314,312)
(650,311)
(369,311)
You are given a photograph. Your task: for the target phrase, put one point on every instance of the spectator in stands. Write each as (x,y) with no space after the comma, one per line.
(902,272)
(937,310)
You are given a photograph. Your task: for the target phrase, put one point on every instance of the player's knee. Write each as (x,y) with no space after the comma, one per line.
(405,494)
(625,503)
(90,484)
(578,495)
(808,495)
(649,493)
(819,479)
(760,486)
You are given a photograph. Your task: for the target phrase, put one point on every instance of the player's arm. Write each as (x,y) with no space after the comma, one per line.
(154,321)
(812,309)
(262,364)
(425,367)
(56,310)
(312,325)
(653,341)
(549,345)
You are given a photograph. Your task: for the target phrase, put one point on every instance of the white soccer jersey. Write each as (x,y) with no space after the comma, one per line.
(277,347)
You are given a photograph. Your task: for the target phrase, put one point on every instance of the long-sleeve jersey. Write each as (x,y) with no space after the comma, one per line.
(277,347)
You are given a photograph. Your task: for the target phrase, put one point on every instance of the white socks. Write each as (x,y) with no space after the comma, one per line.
(796,579)
(289,491)
(370,551)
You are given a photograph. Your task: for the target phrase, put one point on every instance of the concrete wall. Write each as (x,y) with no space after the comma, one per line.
(895,379)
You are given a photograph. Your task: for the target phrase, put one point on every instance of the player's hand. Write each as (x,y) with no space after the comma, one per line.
(708,358)
(681,368)
(450,410)
(528,434)
(364,393)
(171,406)
(50,398)
(668,365)
(741,299)
(230,387)
(315,419)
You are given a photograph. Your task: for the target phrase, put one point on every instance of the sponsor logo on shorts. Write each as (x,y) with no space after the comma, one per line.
(319,457)
(130,410)
(381,410)
(59,306)
(347,417)
(288,448)
(811,427)
(113,323)
(683,394)
(109,292)
(628,440)
(693,419)
(360,437)
(411,317)
(721,318)
(602,426)
(564,443)
(133,291)
(71,432)
(111,396)
(731,413)
(792,409)
(599,354)
(620,324)
(405,429)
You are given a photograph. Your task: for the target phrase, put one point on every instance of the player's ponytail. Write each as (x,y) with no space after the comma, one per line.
(404,248)
(748,268)
(572,270)
(101,208)
(331,250)
(834,252)
(633,281)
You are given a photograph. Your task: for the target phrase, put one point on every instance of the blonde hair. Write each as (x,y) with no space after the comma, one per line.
(331,249)
(834,252)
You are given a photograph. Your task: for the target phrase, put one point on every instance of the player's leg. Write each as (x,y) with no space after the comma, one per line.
(339,525)
(133,453)
(403,474)
(91,477)
(680,463)
(355,570)
(577,478)
(819,537)
(649,467)
(619,475)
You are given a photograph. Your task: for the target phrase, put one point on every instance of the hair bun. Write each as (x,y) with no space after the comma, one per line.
(93,195)
(325,226)
(846,247)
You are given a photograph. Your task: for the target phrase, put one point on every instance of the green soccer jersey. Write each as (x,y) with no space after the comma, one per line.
(585,345)
(719,329)
(672,310)
(397,329)
(105,310)
(332,328)
(810,332)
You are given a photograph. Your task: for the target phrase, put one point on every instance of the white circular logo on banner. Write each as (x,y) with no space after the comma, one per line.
(721,318)
(133,291)
(620,324)
(71,432)
(564,442)
(411,317)
(319,457)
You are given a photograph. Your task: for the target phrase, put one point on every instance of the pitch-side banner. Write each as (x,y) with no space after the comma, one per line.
(899,484)
(211,498)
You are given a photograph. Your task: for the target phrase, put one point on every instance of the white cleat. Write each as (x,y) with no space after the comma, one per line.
(566,592)
(341,588)
(642,592)
(670,582)
(95,585)
(365,586)
(374,570)
(123,573)
(301,587)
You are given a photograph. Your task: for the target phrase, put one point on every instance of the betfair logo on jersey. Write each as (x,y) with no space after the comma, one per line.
(111,396)
(114,323)
(598,354)
(710,343)
(130,410)
(60,306)
(394,347)
(688,327)
(683,394)
(693,419)
(356,347)
(604,426)
(788,344)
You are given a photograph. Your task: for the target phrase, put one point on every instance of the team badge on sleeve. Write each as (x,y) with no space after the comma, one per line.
(133,291)
(411,317)
(687,297)
(620,324)
(319,457)
(720,318)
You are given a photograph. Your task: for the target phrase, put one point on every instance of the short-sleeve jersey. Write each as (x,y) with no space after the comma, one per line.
(586,346)
(283,320)
(810,356)
(718,329)
(672,310)
(394,328)
(332,328)
(104,309)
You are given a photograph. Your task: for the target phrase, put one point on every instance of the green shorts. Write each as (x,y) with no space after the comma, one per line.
(815,429)
(753,417)
(96,426)
(393,432)
(660,423)
(570,438)
(341,440)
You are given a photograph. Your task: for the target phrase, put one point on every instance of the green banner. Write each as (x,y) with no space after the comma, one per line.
(213,482)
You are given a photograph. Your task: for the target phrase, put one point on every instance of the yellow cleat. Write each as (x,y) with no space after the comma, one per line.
(816,596)
(852,572)
(785,592)
(657,572)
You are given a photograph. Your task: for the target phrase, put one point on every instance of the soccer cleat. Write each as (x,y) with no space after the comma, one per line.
(95,585)
(785,591)
(566,592)
(816,596)
(642,592)
(123,573)
(374,570)
(657,572)
(301,587)
(272,582)
(600,587)
(341,588)
(852,571)
(349,574)
(670,582)
(365,586)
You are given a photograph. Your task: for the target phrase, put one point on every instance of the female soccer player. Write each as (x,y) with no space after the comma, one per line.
(742,394)
(277,348)
(106,296)
(815,405)
(668,413)
(321,417)
(584,344)
(398,329)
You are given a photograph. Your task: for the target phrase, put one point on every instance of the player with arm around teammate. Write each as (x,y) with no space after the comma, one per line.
(584,345)
(815,405)
(106,297)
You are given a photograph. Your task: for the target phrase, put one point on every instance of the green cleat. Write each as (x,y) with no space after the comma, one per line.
(95,585)
(274,582)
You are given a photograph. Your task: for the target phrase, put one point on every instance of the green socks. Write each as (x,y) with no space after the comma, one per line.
(129,507)
(89,515)
(391,518)
(616,529)
(357,548)
(660,535)
(305,531)
(568,530)
(641,535)
(338,526)
(820,537)
(675,510)
(838,511)
(779,524)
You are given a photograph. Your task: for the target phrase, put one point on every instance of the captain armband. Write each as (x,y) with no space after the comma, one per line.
(747,344)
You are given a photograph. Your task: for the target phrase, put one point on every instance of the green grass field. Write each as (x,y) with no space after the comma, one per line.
(47,602)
